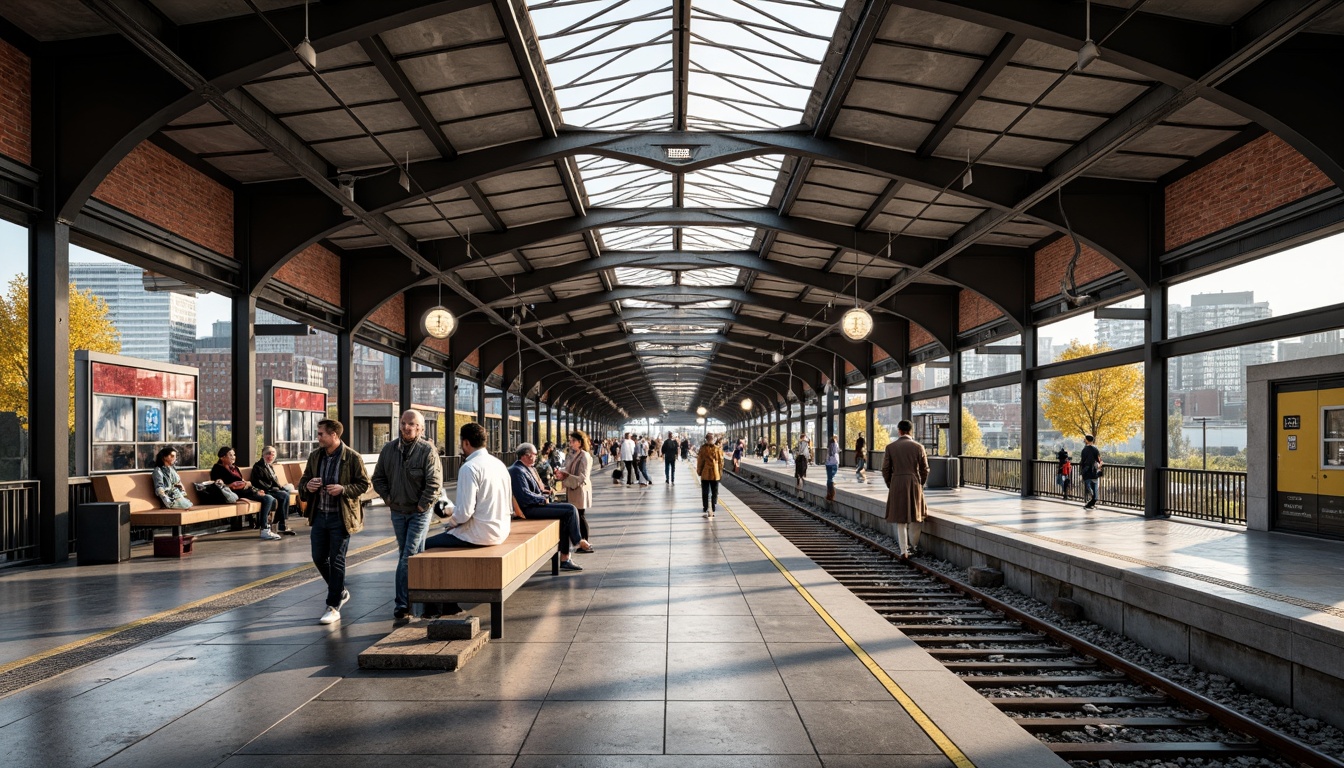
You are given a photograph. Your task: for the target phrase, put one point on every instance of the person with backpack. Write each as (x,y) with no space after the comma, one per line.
(1063,472)
(1091,467)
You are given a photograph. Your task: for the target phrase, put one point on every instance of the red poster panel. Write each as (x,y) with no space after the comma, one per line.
(284,398)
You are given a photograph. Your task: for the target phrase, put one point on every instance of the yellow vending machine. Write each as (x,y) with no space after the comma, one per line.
(1309,465)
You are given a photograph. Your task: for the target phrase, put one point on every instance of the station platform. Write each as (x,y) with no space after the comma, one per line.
(684,642)
(1265,609)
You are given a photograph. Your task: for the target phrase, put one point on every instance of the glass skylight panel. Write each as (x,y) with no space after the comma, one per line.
(644,304)
(618,184)
(712,304)
(717,238)
(640,276)
(609,61)
(718,276)
(754,62)
(636,238)
(740,184)
(686,329)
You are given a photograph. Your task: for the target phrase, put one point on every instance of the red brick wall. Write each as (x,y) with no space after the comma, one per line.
(16,104)
(474,358)
(442,346)
(315,271)
(849,367)
(1249,181)
(879,354)
(974,310)
(153,185)
(1052,260)
(918,336)
(392,315)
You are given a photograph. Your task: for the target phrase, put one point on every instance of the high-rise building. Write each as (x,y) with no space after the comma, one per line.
(1312,345)
(154,325)
(1222,369)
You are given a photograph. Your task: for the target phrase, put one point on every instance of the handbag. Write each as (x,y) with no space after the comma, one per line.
(211,493)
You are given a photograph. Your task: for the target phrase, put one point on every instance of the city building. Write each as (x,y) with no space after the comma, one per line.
(1223,370)
(155,324)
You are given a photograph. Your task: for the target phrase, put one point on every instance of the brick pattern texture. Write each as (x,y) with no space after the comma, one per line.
(974,310)
(1052,260)
(16,104)
(442,346)
(153,185)
(918,337)
(1257,178)
(392,315)
(879,354)
(474,359)
(315,271)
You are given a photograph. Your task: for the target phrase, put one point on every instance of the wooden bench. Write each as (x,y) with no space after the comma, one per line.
(486,574)
(137,490)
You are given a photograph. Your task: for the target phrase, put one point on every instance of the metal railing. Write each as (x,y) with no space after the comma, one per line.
(18,521)
(992,473)
(1218,496)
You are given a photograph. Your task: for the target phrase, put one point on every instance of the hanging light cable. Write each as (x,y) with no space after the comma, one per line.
(304,50)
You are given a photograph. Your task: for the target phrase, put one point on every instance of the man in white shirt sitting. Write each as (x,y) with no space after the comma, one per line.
(484,503)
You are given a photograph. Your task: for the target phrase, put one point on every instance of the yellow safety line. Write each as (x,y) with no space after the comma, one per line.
(170,612)
(954,753)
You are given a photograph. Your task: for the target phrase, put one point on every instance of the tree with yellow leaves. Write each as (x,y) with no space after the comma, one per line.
(90,329)
(1106,403)
(972,439)
(856,424)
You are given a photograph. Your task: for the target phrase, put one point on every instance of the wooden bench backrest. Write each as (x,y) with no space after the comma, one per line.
(293,472)
(135,489)
(191,476)
(485,567)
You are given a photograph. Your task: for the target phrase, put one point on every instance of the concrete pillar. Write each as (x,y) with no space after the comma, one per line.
(243,396)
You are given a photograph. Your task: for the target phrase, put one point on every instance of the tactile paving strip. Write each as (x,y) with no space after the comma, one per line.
(46,668)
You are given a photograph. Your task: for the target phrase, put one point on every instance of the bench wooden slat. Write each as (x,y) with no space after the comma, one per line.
(487,568)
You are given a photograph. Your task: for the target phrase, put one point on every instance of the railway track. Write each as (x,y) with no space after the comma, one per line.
(1086,703)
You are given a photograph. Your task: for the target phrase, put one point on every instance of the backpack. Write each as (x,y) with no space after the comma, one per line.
(210,493)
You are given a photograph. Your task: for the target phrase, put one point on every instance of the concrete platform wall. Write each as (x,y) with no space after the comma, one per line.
(1296,660)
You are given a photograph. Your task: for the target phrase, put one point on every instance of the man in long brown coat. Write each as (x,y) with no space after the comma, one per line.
(905,470)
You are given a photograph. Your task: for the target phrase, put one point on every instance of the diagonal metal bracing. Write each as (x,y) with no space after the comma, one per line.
(1260,33)
(270,133)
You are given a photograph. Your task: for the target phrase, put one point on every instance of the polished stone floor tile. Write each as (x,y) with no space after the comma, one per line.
(721,672)
(592,671)
(597,728)
(825,672)
(795,629)
(400,727)
(707,601)
(668,761)
(605,628)
(501,671)
(735,727)
(639,600)
(885,761)
(845,728)
(713,629)
(428,760)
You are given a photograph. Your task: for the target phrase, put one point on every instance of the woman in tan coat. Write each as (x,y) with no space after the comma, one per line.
(905,470)
(709,466)
(577,480)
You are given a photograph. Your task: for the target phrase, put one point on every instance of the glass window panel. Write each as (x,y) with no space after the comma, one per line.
(1295,280)
(977,365)
(930,418)
(888,386)
(1087,335)
(1070,406)
(991,422)
(930,375)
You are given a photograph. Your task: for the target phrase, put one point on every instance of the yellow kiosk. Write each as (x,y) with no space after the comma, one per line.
(1309,462)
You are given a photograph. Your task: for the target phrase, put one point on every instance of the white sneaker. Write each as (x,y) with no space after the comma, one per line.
(268,535)
(330,617)
(345,598)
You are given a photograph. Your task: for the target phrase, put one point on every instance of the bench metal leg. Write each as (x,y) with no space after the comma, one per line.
(496,621)
(555,564)
(177,531)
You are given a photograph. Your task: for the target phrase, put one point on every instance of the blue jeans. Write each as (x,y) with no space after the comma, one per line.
(642,464)
(567,514)
(436,541)
(669,469)
(831,470)
(281,497)
(1090,489)
(330,541)
(410,528)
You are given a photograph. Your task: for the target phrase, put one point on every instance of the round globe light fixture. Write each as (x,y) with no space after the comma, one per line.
(439,322)
(746,403)
(777,358)
(701,411)
(856,324)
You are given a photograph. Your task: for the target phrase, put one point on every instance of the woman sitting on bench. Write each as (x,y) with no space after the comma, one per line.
(226,471)
(167,485)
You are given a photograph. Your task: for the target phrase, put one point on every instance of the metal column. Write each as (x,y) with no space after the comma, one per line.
(243,395)
(49,382)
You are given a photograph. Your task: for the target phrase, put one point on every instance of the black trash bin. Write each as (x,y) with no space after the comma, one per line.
(104,530)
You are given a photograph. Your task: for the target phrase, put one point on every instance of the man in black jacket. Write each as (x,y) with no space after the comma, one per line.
(1091,465)
(671,449)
